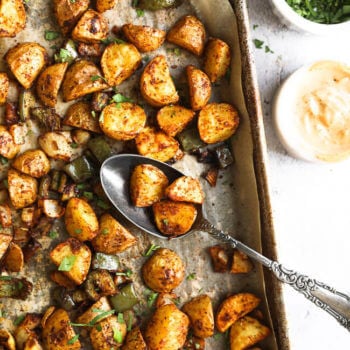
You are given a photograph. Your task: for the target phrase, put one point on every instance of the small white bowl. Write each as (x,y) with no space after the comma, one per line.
(290,17)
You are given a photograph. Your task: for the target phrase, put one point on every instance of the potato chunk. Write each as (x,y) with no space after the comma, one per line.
(189,33)
(12,17)
(134,340)
(119,62)
(199,86)
(185,189)
(14,259)
(5,241)
(25,61)
(105,5)
(7,340)
(8,147)
(217,122)
(33,163)
(122,121)
(241,263)
(102,305)
(156,84)
(147,185)
(4,87)
(145,38)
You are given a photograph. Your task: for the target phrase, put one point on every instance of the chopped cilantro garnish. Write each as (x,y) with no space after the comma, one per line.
(67,263)
(51,35)
(76,337)
(151,249)
(258,43)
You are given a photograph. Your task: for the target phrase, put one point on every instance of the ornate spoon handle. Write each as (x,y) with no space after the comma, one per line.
(327,298)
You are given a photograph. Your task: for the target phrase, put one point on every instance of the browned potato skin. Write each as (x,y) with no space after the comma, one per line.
(25,61)
(4,87)
(163,271)
(241,263)
(217,58)
(217,122)
(167,329)
(80,219)
(174,218)
(5,241)
(145,38)
(92,27)
(105,5)
(199,87)
(112,237)
(189,33)
(185,189)
(33,163)
(62,280)
(102,304)
(219,257)
(8,148)
(165,299)
(12,17)
(78,80)
(14,260)
(7,340)
(49,143)
(90,50)
(147,185)
(134,340)
(49,82)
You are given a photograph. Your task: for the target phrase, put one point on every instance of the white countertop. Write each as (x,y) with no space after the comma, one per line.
(310,201)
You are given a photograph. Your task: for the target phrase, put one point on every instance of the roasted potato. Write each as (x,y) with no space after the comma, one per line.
(73,258)
(147,185)
(8,147)
(220,258)
(173,119)
(92,27)
(5,241)
(82,78)
(12,17)
(32,162)
(199,87)
(25,61)
(189,33)
(105,5)
(156,144)
(5,215)
(163,271)
(217,122)
(246,332)
(102,305)
(241,263)
(112,237)
(80,219)
(156,84)
(167,329)
(90,50)
(18,132)
(217,59)
(165,299)
(49,82)
(62,280)
(25,331)
(52,208)
(134,340)
(122,121)
(233,308)
(14,260)
(174,218)
(4,87)
(185,189)
(7,340)
(23,189)
(145,38)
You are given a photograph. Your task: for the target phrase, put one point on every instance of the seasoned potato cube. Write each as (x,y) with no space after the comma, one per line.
(73,258)
(246,332)
(18,133)
(8,148)
(156,144)
(145,38)
(90,50)
(23,189)
(199,86)
(165,299)
(7,340)
(12,17)
(233,308)
(112,237)
(219,257)
(57,145)
(14,260)
(134,340)
(105,5)
(80,219)
(25,61)
(217,122)
(156,84)
(200,312)
(5,241)
(92,27)
(82,78)
(174,218)
(52,208)
(102,305)
(241,263)
(4,87)
(62,280)
(147,185)
(32,162)
(185,189)
(174,118)
(122,121)
(119,62)
(217,58)
(189,33)
(5,215)
(24,333)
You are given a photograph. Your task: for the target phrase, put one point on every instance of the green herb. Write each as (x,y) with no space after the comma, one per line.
(72,1)
(74,145)
(88,195)
(63,56)
(165,222)
(120,317)
(78,231)
(76,337)
(98,327)
(105,231)
(81,186)
(146,58)
(117,335)
(51,35)
(18,320)
(151,298)
(151,249)
(217,336)
(53,234)
(2,313)
(130,321)
(119,98)
(93,113)
(268,50)
(191,276)
(97,77)
(5,278)
(176,51)
(67,263)
(140,13)
(3,160)
(255,26)
(258,43)
(101,314)
(127,273)
(112,40)
(102,204)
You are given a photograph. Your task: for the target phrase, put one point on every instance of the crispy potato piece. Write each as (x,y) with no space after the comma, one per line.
(167,329)
(25,61)
(92,27)
(219,258)
(163,271)
(32,343)
(165,299)
(241,263)
(105,5)
(49,82)
(233,308)
(199,87)
(134,340)
(174,218)
(189,33)
(145,38)
(23,189)
(24,333)
(4,86)
(156,144)
(102,305)
(246,332)
(18,132)
(122,121)
(90,50)
(156,84)
(78,255)
(5,241)
(79,116)
(52,208)
(7,340)
(5,215)
(14,260)
(82,78)
(80,219)
(32,162)
(147,185)
(62,280)
(8,147)
(12,17)
(217,122)
(217,58)
(185,189)
(119,62)
(174,118)
(112,237)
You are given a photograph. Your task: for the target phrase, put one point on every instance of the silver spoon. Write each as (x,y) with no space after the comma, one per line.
(115,175)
